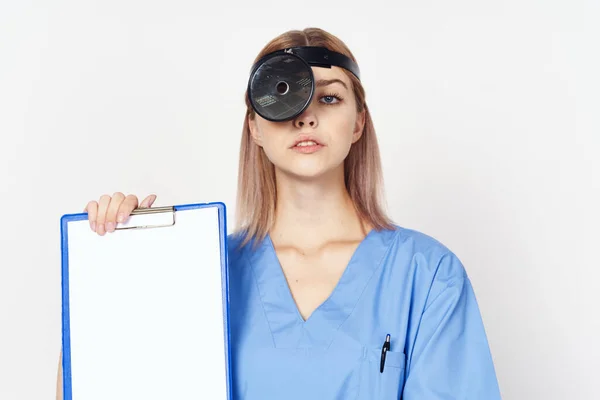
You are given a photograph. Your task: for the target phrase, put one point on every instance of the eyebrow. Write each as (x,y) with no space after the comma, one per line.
(325,82)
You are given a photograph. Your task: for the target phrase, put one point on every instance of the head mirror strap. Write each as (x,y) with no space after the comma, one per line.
(323,57)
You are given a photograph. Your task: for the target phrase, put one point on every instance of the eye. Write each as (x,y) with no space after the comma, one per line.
(331,99)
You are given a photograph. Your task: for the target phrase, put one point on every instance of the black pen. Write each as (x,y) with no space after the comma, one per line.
(384,349)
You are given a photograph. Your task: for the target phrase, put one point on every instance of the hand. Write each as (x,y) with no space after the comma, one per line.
(104,214)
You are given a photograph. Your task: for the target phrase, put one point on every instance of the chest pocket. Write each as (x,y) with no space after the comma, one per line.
(300,374)
(386,385)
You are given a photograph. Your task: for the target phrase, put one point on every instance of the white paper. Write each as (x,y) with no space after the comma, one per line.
(146,310)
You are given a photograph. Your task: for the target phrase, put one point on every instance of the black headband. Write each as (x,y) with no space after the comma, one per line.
(316,56)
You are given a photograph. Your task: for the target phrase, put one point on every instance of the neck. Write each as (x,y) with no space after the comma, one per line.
(309,213)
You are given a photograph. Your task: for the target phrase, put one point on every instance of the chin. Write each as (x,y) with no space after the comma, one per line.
(309,172)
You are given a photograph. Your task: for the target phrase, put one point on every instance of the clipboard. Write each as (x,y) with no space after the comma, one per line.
(145,310)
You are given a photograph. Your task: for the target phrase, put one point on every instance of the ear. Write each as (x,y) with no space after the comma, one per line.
(359,126)
(254,131)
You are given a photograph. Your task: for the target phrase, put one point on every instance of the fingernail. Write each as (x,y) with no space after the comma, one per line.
(101,229)
(120,218)
(93,225)
(110,227)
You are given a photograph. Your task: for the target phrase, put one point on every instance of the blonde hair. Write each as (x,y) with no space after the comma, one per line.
(257,195)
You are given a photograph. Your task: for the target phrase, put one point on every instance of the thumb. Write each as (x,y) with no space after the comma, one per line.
(148,201)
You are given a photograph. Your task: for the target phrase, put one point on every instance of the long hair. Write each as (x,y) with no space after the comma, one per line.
(257,195)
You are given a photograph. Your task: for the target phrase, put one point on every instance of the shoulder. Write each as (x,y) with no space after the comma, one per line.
(431,266)
(234,246)
(428,255)
(238,252)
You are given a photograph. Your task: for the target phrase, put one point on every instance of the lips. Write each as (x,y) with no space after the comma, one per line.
(306,144)
(306,141)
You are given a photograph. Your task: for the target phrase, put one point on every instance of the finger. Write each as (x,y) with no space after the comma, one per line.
(148,201)
(92,209)
(127,206)
(111,212)
(102,208)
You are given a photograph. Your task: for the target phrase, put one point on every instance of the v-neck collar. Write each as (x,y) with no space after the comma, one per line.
(287,326)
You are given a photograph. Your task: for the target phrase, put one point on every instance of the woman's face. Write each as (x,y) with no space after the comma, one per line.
(318,140)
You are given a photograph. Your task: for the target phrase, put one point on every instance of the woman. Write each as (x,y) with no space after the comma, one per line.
(323,285)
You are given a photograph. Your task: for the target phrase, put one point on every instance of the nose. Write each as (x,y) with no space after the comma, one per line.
(307,118)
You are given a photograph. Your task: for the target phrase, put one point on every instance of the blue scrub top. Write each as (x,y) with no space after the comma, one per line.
(399,282)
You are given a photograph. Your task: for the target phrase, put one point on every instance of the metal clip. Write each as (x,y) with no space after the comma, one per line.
(148,211)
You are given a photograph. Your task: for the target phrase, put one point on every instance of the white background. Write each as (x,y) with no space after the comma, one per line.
(487,116)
